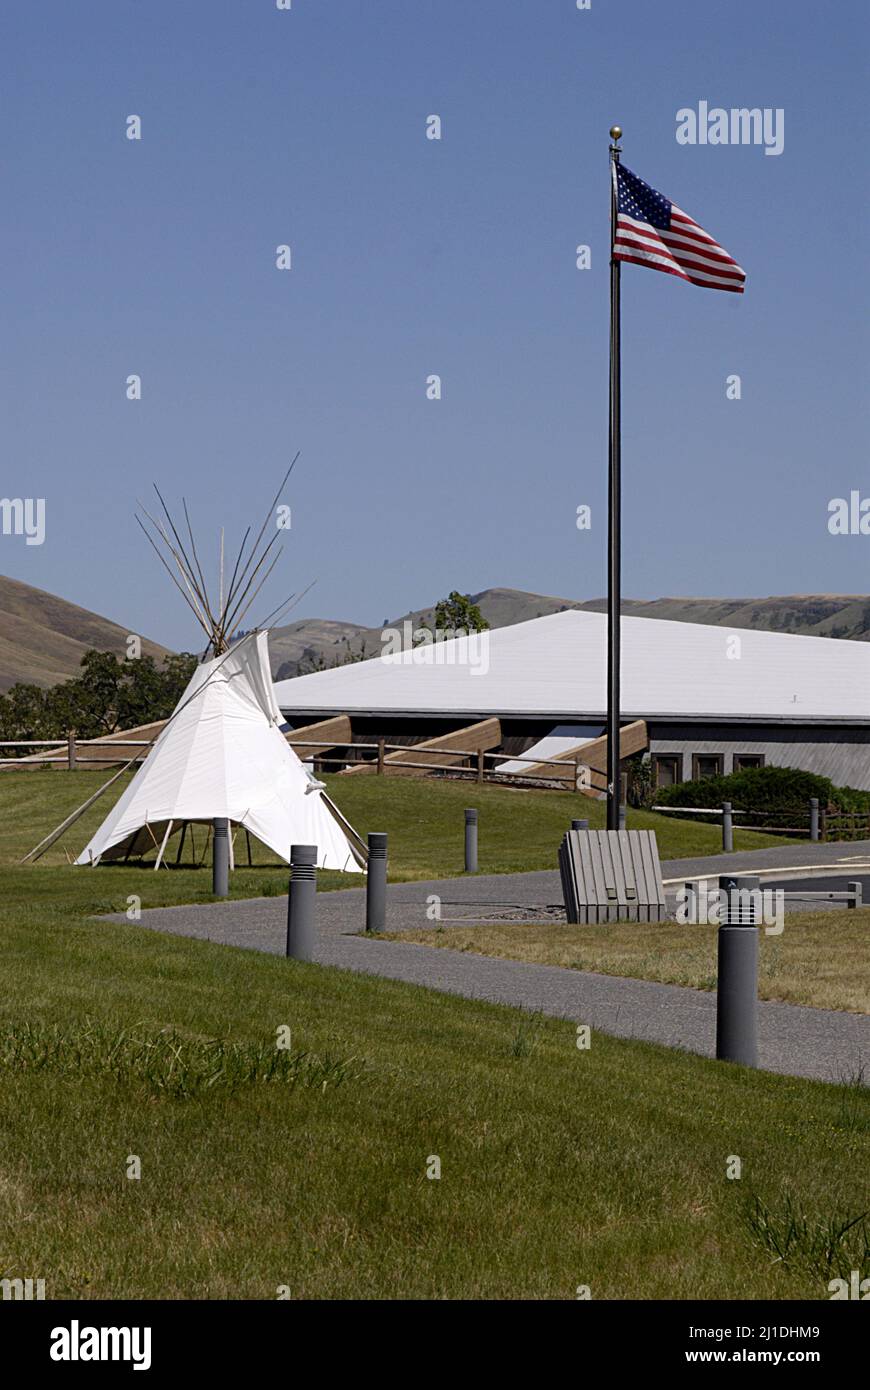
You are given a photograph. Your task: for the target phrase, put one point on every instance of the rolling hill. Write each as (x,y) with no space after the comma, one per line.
(43,638)
(312,643)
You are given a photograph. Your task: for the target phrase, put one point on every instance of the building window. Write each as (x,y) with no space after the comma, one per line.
(667,769)
(706,765)
(744,760)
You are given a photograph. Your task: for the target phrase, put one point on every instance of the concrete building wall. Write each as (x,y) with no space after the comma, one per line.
(841,754)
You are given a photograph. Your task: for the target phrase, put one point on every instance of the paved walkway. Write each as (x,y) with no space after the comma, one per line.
(817,1043)
(784,861)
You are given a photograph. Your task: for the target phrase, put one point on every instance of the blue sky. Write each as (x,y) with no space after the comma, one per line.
(413,257)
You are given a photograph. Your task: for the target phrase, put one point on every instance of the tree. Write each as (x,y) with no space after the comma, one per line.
(148,694)
(107,696)
(89,702)
(22,712)
(457,613)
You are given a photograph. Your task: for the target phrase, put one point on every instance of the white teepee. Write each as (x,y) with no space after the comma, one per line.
(222,754)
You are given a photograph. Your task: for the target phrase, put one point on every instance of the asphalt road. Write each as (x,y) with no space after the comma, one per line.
(816,1043)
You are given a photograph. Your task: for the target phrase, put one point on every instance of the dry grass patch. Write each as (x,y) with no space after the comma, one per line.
(820,959)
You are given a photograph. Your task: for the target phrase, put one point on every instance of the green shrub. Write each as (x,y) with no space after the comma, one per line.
(640,792)
(766,789)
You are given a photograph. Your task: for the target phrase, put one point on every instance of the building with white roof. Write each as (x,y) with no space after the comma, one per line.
(713,698)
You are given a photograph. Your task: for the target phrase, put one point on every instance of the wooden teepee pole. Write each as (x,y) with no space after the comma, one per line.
(49,840)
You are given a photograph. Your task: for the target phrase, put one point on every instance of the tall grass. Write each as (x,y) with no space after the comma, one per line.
(835,1242)
(166,1062)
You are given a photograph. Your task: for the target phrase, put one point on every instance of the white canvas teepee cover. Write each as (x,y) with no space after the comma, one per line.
(223,754)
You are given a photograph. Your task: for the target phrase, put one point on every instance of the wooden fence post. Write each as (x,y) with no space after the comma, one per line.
(71,750)
(380,756)
(823,824)
(480,764)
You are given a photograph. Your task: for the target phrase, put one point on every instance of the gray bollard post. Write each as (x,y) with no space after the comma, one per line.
(471,840)
(376,882)
(814,817)
(737,982)
(301,902)
(727,828)
(582,824)
(220,862)
(856,888)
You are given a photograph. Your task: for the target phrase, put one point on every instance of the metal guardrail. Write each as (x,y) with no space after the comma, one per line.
(852,895)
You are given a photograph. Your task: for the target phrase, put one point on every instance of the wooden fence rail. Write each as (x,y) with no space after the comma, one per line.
(832,825)
(567,771)
(71,747)
(75,756)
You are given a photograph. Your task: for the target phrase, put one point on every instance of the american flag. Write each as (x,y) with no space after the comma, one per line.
(653,231)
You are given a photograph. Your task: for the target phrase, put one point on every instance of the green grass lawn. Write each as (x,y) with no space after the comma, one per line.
(519,830)
(819,959)
(559,1167)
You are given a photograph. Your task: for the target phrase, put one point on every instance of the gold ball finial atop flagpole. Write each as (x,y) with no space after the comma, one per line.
(616,132)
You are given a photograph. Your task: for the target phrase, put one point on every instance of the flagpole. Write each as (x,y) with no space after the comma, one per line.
(614,499)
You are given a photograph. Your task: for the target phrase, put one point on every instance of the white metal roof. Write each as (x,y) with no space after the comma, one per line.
(557,666)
